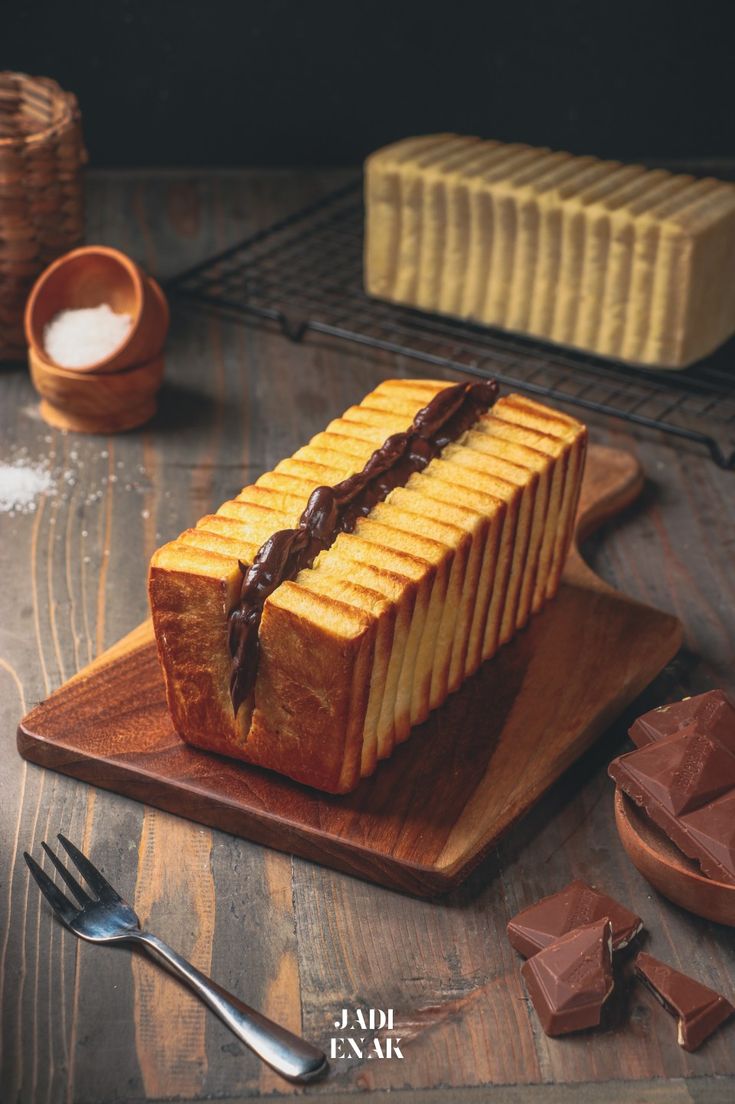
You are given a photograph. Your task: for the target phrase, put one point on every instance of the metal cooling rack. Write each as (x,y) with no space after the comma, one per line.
(304,273)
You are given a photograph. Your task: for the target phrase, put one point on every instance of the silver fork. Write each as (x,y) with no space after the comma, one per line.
(108,919)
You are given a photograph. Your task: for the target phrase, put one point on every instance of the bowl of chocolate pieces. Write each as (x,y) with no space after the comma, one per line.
(675,803)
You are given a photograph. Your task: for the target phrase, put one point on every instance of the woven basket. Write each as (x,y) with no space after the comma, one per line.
(41,197)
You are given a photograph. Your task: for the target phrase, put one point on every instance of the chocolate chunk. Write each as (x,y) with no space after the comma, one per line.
(712,713)
(712,830)
(684,771)
(686,785)
(576,904)
(700,1010)
(570,980)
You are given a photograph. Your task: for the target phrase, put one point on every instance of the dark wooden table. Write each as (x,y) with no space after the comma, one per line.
(97,1025)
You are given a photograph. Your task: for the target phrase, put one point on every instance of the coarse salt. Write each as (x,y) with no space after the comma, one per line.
(77,338)
(21,485)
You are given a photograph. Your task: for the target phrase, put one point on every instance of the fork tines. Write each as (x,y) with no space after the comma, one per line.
(59,903)
(63,907)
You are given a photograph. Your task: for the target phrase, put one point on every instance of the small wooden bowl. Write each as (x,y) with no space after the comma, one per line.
(88,402)
(90,276)
(667,869)
(119,391)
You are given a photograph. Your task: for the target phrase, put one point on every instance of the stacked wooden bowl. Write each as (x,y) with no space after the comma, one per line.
(119,391)
(41,197)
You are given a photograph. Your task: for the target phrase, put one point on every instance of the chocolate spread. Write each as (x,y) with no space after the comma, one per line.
(334,510)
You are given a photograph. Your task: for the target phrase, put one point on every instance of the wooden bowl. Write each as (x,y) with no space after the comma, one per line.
(119,391)
(88,402)
(90,276)
(667,869)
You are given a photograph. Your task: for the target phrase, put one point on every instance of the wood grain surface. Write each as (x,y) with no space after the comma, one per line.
(428,815)
(96,1025)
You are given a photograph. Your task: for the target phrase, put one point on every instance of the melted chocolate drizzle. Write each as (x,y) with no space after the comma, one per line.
(334,510)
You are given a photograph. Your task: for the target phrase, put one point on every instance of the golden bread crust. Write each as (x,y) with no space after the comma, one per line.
(393,616)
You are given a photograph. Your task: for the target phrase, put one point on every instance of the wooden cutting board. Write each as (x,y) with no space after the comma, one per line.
(429,814)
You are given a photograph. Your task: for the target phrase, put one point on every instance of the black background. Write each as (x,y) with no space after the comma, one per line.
(293,82)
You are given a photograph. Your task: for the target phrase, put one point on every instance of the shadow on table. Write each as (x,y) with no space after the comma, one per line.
(180,408)
(678,679)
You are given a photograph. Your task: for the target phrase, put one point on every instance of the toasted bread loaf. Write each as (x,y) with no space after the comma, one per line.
(361,645)
(619,260)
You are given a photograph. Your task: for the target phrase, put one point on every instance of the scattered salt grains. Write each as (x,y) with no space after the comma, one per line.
(21,485)
(24,479)
(77,338)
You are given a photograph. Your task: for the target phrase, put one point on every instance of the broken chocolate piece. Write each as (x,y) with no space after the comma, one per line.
(700,1010)
(712,713)
(686,785)
(570,980)
(712,830)
(573,906)
(683,772)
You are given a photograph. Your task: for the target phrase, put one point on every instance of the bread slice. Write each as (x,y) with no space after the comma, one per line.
(191,591)
(312,694)
(357,648)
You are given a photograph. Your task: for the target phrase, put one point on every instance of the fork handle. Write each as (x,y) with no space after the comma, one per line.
(286,1053)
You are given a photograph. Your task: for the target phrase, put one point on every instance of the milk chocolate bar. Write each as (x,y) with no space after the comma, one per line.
(700,1011)
(626,262)
(686,785)
(711,712)
(572,907)
(570,980)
